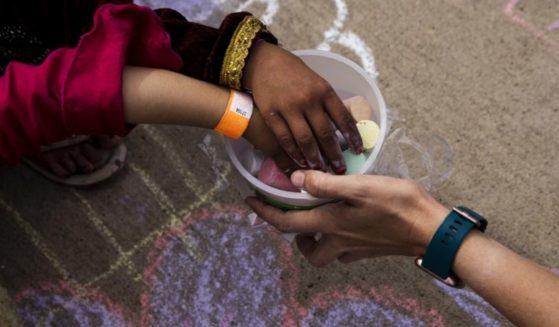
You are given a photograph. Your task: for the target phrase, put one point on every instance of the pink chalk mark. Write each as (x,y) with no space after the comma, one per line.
(510,11)
(553,26)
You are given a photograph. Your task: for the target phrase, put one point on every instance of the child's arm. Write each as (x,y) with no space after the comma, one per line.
(156,96)
(80,90)
(299,106)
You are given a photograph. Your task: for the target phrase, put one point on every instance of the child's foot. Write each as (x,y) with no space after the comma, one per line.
(82,158)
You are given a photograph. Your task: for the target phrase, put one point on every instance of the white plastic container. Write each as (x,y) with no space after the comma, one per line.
(348,79)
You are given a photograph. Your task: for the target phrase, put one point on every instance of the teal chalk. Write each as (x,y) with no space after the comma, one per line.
(354,162)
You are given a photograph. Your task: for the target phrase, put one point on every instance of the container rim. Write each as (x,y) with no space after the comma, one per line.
(371,158)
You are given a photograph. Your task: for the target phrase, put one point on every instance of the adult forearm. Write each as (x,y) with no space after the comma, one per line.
(525,292)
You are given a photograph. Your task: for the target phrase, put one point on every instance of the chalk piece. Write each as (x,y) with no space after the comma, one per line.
(369,132)
(252,218)
(271,175)
(289,237)
(353,162)
(359,108)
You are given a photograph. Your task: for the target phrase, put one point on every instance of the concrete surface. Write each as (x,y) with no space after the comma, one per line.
(166,241)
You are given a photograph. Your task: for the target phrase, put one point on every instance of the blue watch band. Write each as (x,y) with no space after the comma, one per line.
(442,249)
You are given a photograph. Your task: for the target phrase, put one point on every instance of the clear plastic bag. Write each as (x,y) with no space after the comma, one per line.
(425,158)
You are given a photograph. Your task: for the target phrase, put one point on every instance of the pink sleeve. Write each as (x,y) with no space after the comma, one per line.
(79,90)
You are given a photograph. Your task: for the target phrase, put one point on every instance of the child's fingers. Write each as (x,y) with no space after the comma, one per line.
(344,122)
(305,139)
(285,139)
(326,136)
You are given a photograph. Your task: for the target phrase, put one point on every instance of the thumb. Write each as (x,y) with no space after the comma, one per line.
(323,185)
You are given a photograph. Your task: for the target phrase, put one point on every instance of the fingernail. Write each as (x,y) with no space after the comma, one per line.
(303,164)
(355,143)
(298,179)
(339,167)
(314,165)
(358,144)
(359,150)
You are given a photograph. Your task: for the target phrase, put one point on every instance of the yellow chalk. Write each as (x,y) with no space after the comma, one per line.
(369,132)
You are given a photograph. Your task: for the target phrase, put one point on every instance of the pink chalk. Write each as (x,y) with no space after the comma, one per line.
(271,175)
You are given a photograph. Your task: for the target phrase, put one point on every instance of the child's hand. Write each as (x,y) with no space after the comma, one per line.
(299,107)
(259,135)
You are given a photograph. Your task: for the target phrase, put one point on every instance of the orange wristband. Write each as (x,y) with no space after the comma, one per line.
(236,117)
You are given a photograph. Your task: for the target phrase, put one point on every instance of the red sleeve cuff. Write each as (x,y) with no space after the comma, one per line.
(79,90)
(91,99)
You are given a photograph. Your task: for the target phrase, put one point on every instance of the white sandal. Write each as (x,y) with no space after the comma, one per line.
(111,162)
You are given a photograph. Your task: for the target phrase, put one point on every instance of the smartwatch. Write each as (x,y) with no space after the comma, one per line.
(442,249)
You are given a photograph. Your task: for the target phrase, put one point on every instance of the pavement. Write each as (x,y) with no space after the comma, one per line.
(166,242)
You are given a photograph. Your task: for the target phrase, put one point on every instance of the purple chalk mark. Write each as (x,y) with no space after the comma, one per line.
(379,306)
(193,10)
(54,304)
(237,282)
(474,305)
(214,269)
(248,277)
(553,26)
(358,312)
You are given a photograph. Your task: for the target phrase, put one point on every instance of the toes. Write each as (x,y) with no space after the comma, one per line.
(106,141)
(90,153)
(67,162)
(58,170)
(84,165)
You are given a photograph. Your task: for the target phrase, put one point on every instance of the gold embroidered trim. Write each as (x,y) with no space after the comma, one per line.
(237,51)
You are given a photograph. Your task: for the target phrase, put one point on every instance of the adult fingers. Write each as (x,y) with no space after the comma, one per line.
(318,253)
(306,243)
(323,185)
(326,135)
(350,257)
(344,121)
(286,222)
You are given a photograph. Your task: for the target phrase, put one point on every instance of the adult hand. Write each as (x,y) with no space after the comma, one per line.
(376,216)
(300,108)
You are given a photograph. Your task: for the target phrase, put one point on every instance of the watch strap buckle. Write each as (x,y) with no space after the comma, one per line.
(451,280)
